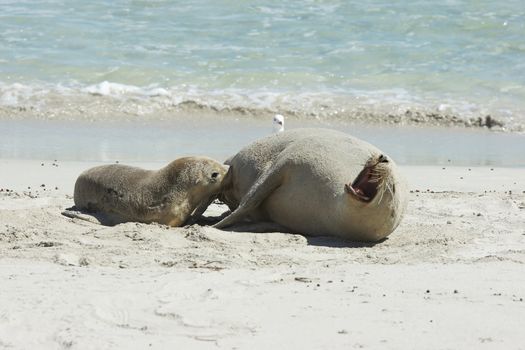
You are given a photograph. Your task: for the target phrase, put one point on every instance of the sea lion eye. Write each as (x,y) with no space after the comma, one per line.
(214,175)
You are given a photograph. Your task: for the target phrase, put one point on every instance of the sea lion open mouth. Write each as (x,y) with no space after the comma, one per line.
(367,182)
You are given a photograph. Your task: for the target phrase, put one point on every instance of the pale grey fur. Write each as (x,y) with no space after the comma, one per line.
(297,179)
(119,193)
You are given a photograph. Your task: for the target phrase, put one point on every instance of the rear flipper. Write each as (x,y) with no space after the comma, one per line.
(93,217)
(269,180)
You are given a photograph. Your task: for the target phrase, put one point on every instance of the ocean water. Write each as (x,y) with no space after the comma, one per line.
(350,60)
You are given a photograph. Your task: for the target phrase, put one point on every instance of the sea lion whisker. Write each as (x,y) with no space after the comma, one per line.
(381,189)
(381,193)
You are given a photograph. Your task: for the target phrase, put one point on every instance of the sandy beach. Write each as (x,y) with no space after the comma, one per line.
(451,276)
(439,87)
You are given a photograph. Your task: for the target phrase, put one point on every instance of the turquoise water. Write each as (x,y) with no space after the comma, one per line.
(307,58)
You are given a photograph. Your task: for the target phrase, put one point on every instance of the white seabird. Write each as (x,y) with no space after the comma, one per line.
(278,123)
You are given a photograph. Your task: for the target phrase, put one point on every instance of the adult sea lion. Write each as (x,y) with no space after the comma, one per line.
(119,193)
(316,182)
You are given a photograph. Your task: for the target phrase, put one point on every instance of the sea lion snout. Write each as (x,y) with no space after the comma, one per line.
(382,159)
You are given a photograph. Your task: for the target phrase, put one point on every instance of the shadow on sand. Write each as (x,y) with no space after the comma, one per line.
(267,227)
(336,242)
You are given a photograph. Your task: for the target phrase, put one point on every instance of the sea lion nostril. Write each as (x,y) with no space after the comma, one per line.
(383,159)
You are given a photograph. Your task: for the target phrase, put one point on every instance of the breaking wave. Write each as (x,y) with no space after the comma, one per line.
(114,101)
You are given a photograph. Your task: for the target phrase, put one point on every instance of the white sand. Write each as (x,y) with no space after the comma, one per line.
(452,276)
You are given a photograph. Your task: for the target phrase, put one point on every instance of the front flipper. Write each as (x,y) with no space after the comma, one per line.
(197,213)
(269,180)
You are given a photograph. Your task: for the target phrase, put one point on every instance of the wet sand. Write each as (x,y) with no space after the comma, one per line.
(220,138)
(451,275)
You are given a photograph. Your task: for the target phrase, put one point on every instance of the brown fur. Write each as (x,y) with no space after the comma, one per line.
(168,196)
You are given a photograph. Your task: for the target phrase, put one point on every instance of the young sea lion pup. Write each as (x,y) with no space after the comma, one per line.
(119,193)
(316,182)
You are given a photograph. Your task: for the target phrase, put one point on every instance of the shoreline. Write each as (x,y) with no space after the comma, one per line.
(392,116)
(164,141)
(128,103)
(438,87)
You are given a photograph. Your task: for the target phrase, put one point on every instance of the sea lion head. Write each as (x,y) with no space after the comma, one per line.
(372,181)
(378,195)
(208,174)
(200,177)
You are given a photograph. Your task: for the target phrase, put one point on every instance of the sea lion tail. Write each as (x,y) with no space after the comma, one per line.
(94,218)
